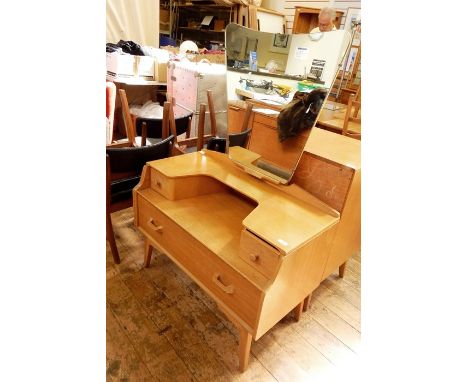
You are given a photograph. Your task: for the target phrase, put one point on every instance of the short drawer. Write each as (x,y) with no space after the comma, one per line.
(220,280)
(259,254)
(161,184)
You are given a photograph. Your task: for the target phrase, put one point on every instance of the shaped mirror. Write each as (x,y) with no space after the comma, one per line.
(291,74)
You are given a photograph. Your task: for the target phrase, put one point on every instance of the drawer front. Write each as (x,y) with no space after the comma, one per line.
(259,254)
(222,282)
(161,184)
(264,141)
(266,120)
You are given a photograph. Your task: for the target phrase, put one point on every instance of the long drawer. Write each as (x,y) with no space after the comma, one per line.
(222,282)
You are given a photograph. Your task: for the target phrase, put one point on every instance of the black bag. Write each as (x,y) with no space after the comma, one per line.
(300,113)
(129,47)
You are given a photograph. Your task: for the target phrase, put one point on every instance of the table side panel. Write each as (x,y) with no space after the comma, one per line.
(348,232)
(299,275)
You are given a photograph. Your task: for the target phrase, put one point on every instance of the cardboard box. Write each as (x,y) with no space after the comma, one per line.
(126,65)
(144,66)
(161,58)
(160,71)
(119,65)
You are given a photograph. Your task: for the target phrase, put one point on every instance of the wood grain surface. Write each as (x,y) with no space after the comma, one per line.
(162,327)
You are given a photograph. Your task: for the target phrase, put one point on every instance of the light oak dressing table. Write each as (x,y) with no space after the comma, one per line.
(257,248)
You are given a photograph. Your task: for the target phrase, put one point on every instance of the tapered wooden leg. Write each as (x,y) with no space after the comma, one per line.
(298,311)
(148,253)
(307,302)
(245,340)
(341,270)
(111,238)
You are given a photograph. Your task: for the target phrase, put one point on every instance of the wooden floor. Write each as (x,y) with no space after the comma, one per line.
(162,327)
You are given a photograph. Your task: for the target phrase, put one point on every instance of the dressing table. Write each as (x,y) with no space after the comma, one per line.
(257,248)
(256,242)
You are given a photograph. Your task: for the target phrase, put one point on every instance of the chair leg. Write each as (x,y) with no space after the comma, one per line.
(148,253)
(341,270)
(111,238)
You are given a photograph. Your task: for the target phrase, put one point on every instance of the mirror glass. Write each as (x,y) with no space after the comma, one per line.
(286,78)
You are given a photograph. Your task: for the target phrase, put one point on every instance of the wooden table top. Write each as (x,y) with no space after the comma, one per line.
(134,80)
(335,148)
(282,220)
(334,119)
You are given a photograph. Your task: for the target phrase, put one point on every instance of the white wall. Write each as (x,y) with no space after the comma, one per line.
(331,48)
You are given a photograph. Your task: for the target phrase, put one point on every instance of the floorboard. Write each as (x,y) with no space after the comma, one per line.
(122,361)
(161,326)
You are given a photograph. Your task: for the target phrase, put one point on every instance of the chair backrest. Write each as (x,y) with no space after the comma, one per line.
(217,144)
(127,160)
(235,139)
(352,115)
(240,139)
(182,146)
(358,93)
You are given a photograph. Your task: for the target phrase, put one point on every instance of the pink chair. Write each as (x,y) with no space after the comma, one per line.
(111,92)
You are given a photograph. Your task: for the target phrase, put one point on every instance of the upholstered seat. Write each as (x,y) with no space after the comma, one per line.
(123,170)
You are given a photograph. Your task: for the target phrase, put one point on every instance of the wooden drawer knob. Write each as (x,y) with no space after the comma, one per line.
(229,289)
(153,226)
(253,257)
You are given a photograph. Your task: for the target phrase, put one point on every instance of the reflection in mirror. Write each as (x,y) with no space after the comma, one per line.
(287,79)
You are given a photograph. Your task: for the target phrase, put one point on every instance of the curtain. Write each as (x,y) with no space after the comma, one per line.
(135,20)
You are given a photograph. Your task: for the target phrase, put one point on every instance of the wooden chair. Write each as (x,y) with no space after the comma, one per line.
(235,139)
(352,115)
(187,145)
(123,170)
(130,126)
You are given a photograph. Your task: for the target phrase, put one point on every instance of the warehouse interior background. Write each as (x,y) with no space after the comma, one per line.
(53,289)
